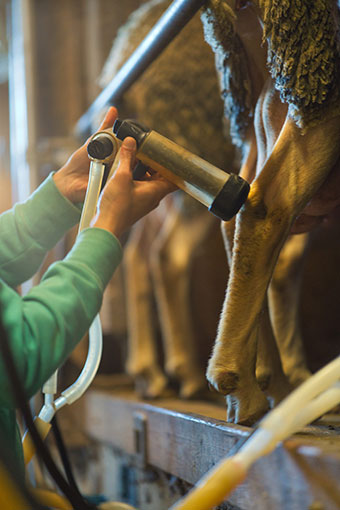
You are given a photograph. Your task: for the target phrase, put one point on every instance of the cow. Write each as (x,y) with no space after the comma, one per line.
(278,64)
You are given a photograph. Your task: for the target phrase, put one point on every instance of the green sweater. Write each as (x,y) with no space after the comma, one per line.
(45,325)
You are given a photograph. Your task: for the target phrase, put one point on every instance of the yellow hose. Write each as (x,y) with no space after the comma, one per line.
(10,496)
(214,487)
(27,443)
(50,499)
(44,497)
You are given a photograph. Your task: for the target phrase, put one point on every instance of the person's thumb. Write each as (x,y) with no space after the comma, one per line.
(109,118)
(127,155)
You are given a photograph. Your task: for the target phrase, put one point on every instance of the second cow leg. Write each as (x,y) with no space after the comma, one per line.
(142,362)
(171,263)
(284,294)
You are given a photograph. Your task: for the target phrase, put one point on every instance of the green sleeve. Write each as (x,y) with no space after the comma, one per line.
(32,228)
(45,325)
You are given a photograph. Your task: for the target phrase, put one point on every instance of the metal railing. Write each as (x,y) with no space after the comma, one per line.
(178,14)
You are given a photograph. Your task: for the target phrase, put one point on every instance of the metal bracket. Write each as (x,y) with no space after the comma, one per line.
(139,428)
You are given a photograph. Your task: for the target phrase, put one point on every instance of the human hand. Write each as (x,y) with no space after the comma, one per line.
(123,201)
(72,178)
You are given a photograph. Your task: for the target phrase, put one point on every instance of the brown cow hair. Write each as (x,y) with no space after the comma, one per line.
(304,55)
(303,58)
(219,31)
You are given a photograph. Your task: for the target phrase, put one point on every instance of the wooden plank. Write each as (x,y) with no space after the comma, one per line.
(304,470)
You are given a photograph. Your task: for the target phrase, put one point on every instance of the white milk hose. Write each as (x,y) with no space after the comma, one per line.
(316,396)
(77,389)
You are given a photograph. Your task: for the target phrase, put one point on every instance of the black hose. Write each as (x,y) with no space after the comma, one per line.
(74,497)
(64,457)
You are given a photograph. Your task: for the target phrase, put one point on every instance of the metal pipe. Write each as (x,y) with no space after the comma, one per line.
(221,192)
(178,14)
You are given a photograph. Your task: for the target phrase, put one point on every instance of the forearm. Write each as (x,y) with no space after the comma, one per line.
(32,228)
(45,325)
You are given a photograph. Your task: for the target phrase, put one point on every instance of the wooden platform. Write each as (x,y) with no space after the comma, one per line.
(185,439)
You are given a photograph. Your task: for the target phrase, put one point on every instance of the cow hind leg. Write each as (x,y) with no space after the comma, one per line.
(269,372)
(283,295)
(291,175)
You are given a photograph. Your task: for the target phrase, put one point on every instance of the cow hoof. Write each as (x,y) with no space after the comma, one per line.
(231,408)
(151,384)
(275,387)
(277,392)
(189,380)
(298,377)
(193,389)
(247,407)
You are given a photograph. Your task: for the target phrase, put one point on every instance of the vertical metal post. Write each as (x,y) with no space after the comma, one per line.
(92,48)
(22,99)
(22,104)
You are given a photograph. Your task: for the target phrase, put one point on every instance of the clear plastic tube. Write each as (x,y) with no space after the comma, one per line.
(283,416)
(312,399)
(92,194)
(50,386)
(316,408)
(90,368)
(95,333)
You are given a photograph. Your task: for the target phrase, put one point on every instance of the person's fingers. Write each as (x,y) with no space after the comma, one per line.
(166,187)
(165,183)
(109,118)
(159,187)
(127,155)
